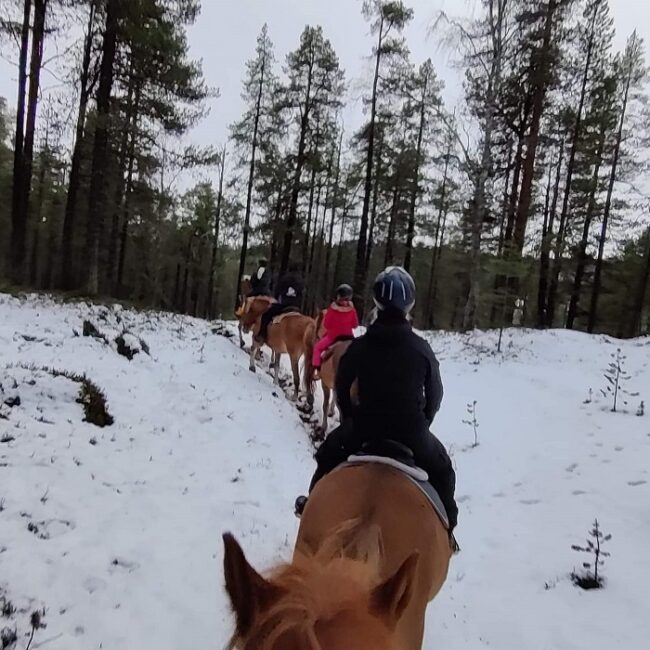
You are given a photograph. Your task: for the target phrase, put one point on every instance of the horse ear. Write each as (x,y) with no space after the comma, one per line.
(249,592)
(392,597)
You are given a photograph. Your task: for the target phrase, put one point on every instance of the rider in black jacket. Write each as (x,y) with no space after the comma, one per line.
(399,391)
(261,280)
(289,298)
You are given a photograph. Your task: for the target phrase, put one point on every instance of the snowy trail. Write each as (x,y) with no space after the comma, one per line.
(199,446)
(124,549)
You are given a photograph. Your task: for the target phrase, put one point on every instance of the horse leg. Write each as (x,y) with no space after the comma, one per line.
(276,368)
(332,402)
(296,377)
(254,348)
(327,394)
(241,336)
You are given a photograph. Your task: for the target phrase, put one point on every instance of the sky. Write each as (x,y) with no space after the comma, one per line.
(224,38)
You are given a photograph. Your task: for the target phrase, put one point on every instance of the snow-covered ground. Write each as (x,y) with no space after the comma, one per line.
(116,531)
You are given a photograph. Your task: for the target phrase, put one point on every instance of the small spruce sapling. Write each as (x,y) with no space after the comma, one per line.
(641,410)
(589,397)
(471,421)
(616,376)
(590,578)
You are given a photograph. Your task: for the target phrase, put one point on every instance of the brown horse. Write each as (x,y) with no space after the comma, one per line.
(286,335)
(370,555)
(328,370)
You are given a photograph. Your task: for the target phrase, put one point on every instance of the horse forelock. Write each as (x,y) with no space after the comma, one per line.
(317,588)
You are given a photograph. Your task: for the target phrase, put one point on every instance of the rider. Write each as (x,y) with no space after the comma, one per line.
(289,298)
(339,322)
(261,280)
(399,392)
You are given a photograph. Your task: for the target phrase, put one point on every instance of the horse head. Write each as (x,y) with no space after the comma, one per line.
(316,603)
(253,309)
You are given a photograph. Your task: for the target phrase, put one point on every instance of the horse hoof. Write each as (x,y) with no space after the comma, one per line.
(310,400)
(252,369)
(242,345)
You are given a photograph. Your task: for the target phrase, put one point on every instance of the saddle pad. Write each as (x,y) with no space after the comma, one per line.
(286,314)
(417,476)
(413,472)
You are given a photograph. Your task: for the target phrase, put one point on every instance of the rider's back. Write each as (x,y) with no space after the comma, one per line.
(398,382)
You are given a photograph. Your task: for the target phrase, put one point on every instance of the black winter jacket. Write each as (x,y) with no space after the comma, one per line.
(290,290)
(261,283)
(400,389)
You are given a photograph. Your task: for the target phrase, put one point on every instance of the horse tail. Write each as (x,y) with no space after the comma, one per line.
(309,340)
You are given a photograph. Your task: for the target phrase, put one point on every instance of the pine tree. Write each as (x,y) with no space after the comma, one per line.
(633,77)
(384,17)
(315,86)
(259,85)
(595,16)
(424,103)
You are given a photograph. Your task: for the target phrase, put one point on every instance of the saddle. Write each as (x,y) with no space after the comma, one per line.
(330,350)
(400,457)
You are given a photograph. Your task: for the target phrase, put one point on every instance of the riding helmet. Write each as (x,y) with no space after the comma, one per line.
(344,291)
(394,288)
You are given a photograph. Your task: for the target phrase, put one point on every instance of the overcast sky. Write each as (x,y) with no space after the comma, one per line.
(225,33)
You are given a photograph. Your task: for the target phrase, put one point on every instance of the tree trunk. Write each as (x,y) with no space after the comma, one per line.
(584,240)
(428,316)
(335,198)
(277,218)
(97,195)
(595,294)
(389,253)
(310,212)
(40,200)
(251,179)
(634,328)
(375,203)
(577,127)
(36,60)
(540,85)
(210,310)
(18,238)
(479,199)
(545,255)
(410,233)
(68,270)
(295,190)
(499,279)
(360,260)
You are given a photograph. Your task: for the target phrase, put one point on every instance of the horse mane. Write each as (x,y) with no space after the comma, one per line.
(318,586)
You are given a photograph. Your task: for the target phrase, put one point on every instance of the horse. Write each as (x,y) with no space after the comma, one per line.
(286,336)
(370,555)
(245,287)
(328,369)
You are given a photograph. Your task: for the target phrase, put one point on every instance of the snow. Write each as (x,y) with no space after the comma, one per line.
(125,549)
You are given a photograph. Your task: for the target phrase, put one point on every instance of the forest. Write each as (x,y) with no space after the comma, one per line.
(527,203)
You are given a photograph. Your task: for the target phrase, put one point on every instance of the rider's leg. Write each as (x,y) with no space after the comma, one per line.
(430,454)
(319,348)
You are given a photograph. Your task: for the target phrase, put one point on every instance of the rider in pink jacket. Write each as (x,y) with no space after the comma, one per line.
(339,322)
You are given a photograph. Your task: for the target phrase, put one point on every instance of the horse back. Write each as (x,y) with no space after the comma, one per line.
(380,496)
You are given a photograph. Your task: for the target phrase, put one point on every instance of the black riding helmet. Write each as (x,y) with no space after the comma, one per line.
(344,291)
(394,288)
